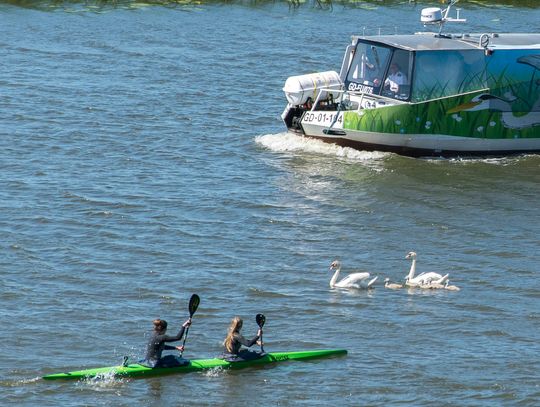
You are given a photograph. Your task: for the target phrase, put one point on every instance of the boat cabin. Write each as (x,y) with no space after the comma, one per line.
(422,67)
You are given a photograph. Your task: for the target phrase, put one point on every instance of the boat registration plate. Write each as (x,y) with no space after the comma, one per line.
(325,119)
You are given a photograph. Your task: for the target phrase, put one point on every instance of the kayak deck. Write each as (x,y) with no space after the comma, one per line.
(137,370)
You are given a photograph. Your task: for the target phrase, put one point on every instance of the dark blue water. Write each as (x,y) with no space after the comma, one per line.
(143,159)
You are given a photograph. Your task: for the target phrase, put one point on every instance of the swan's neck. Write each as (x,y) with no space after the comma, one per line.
(412,270)
(335,277)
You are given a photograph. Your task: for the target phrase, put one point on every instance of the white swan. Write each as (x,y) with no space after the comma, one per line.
(355,280)
(486,101)
(495,103)
(393,286)
(423,278)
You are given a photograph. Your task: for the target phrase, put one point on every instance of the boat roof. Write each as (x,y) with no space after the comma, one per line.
(432,42)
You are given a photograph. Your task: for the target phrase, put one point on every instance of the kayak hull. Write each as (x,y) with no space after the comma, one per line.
(137,370)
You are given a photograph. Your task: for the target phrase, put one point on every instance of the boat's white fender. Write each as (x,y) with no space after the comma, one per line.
(298,89)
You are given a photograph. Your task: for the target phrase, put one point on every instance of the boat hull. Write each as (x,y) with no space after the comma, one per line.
(434,128)
(137,370)
(422,145)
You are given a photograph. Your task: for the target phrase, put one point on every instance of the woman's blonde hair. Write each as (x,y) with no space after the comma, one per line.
(234,328)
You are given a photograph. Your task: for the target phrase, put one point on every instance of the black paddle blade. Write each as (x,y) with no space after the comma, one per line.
(194,302)
(261,319)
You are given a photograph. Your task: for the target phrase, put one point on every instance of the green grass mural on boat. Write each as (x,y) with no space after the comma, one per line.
(453,116)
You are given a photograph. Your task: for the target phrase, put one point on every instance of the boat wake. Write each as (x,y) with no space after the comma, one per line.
(288,142)
(19,382)
(499,161)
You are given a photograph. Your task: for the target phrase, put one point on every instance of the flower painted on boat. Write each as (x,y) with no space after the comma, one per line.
(457,117)
(398,122)
(428,125)
(480,128)
(402,131)
(418,120)
(492,124)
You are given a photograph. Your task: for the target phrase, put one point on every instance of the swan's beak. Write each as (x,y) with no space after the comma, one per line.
(463,107)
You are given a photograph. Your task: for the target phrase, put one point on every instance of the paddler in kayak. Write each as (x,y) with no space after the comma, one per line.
(156,345)
(234,341)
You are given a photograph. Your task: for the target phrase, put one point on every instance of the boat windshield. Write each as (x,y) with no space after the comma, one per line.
(380,70)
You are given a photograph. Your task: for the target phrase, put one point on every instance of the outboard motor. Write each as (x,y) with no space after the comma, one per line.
(304,90)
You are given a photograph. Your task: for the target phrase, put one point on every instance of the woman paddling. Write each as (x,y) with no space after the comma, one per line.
(234,341)
(156,345)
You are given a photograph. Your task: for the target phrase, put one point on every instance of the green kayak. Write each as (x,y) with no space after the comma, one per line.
(137,370)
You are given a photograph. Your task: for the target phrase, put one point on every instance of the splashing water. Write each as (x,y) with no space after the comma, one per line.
(103,381)
(214,372)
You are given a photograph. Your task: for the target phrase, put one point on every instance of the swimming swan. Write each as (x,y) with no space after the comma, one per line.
(451,287)
(422,279)
(355,280)
(392,286)
(431,286)
(434,286)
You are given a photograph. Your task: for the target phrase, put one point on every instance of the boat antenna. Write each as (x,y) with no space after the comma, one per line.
(436,16)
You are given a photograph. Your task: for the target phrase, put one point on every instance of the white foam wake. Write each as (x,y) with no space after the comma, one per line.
(286,142)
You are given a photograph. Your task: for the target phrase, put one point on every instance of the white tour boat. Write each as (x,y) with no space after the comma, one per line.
(426,94)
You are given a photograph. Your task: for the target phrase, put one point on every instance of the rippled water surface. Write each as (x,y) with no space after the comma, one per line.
(143,159)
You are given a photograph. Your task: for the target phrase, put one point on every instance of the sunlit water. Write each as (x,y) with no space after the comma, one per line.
(143,159)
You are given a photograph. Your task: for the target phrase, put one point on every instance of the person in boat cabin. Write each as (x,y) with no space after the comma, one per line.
(157,344)
(395,78)
(234,340)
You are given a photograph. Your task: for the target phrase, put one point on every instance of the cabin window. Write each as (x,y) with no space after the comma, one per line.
(397,83)
(367,69)
(381,71)
(444,73)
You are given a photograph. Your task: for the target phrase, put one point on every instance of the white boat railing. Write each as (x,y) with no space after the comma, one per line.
(319,96)
(360,101)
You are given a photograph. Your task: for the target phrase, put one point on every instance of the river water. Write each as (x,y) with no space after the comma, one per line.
(143,159)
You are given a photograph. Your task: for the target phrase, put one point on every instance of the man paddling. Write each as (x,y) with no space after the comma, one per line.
(157,344)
